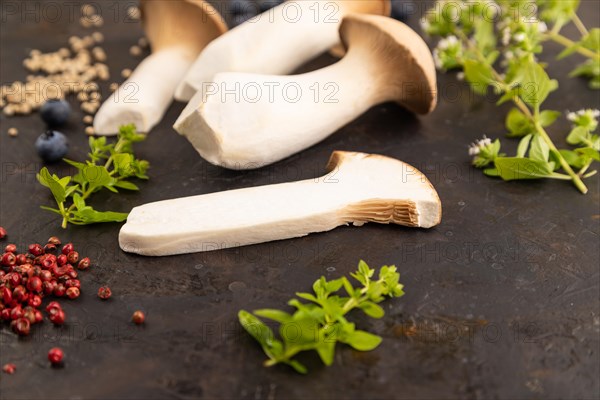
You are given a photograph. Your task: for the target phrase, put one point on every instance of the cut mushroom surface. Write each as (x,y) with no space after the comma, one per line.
(177,30)
(270,117)
(357,189)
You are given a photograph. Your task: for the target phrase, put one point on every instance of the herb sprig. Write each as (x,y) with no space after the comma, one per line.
(109,166)
(320,324)
(470,32)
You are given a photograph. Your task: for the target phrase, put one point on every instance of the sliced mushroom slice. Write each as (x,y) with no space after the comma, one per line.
(277,41)
(177,31)
(358,188)
(271,117)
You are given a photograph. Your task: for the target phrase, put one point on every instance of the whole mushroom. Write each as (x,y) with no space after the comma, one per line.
(177,31)
(248,120)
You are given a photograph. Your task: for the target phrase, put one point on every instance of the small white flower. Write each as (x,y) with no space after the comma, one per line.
(590,112)
(519,37)
(476,147)
(474,150)
(509,55)
(519,53)
(506,36)
(447,42)
(571,116)
(542,27)
(460,76)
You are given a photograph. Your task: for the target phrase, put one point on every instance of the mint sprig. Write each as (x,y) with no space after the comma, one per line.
(109,166)
(474,36)
(321,323)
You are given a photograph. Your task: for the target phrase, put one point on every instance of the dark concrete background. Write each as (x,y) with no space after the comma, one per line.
(502,298)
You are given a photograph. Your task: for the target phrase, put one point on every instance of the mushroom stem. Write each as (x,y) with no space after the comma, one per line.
(359,188)
(143,98)
(240,133)
(247,121)
(177,30)
(275,42)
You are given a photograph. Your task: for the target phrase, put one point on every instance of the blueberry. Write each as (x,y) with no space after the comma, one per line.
(265,5)
(55,113)
(243,7)
(401,9)
(240,19)
(52,146)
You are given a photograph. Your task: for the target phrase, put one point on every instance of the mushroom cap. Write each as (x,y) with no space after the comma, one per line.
(397,55)
(378,7)
(397,192)
(189,23)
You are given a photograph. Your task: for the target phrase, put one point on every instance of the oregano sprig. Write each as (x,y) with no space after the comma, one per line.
(474,36)
(109,166)
(559,13)
(321,323)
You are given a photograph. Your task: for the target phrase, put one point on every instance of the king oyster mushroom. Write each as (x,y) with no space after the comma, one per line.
(385,61)
(275,42)
(358,188)
(177,31)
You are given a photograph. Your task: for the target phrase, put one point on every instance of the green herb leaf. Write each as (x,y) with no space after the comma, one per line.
(76,164)
(547,117)
(320,324)
(479,74)
(558,11)
(46,179)
(116,163)
(275,315)
(123,163)
(484,37)
(589,152)
(129,133)
(577,135)
(539,149)
(261,333)
(589,69)
(326,350)
(361,340)
(591,41)
(512,168)
(572,158)
(493,172)
(308,296)
(78,201)
(518,124)
(126,185)
(524,146)
(87,215)
(96,176)
(372,309)
(534,83)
